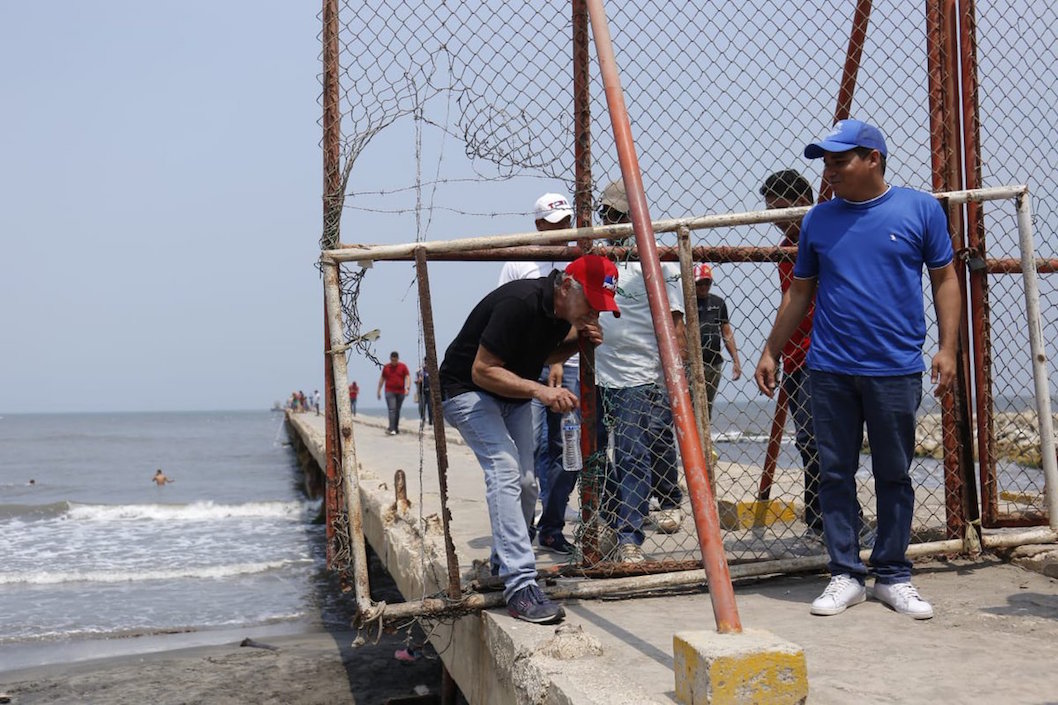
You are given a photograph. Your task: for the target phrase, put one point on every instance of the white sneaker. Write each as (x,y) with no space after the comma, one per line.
(904,598)
(630,553)
(842,592)
(668,521)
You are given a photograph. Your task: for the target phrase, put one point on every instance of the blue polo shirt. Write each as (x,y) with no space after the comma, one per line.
(867,259)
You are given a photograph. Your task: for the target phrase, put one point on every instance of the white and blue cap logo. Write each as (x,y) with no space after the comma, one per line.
(846,135)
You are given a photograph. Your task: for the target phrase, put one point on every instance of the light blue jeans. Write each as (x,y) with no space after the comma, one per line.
(501,436)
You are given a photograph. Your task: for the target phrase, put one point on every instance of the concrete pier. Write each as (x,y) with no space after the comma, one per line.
(992,639)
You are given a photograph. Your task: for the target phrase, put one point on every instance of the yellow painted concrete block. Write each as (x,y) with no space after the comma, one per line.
(752,668)
(748,515)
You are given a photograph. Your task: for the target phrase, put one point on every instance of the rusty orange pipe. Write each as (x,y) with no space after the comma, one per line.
(706,519)
(771,456)
(847,87)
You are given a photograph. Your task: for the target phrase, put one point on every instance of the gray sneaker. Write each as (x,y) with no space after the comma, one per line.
(530,604)
(630,553)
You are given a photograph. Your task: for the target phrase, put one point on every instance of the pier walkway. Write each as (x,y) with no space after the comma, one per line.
(993,639)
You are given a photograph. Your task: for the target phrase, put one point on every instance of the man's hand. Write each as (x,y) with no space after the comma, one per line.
(591,332)
(554,375)
(736,369)
(765,374)
(558,399)
(942,372)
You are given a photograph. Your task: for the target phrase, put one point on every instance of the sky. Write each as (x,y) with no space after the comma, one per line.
(161,179)
(162,183)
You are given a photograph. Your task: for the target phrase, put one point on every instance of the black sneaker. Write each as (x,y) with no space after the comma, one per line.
(532,605)
(556,544)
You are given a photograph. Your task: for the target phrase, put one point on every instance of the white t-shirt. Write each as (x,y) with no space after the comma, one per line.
(628,356)
(513,271)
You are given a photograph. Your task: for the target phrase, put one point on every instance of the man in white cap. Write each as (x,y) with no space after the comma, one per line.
(552,211)
(867,245)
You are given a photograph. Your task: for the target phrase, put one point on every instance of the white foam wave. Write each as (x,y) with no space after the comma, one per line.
(48,577)
(196,511)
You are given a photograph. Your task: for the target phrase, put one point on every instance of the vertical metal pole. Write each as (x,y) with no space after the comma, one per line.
(857,37)
(975,233)
(595,464)
(1039,356)
(440,442)
(448,683)
(694,352)
(350,471)
(332,179)
(706,519)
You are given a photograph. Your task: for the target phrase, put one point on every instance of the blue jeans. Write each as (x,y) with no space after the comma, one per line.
(644,456)
(558,485)
(799,401)
(501,436)
(841,404)
(394,401)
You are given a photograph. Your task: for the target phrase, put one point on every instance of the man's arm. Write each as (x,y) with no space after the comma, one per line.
(681,334)
(407,382)
(728,334)
(795,303)
(381,381)
(489,373)
(571,345)
(948,305)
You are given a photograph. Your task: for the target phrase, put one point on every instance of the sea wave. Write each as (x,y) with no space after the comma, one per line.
(55,577)
(195,511)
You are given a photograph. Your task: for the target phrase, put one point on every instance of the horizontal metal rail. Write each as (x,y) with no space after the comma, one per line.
(373,253)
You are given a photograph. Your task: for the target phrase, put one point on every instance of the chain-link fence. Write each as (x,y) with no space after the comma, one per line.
(720,95)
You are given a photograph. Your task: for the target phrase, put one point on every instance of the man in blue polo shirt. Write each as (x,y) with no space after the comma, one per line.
(861,256)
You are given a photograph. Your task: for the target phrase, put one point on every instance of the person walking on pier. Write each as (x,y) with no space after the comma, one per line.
(867,246)
(487,378)
(396,378)
(354,392)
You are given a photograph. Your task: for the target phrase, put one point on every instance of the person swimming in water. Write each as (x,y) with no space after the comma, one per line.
(160,478)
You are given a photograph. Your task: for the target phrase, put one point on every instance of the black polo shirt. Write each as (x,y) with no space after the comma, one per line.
(515,322)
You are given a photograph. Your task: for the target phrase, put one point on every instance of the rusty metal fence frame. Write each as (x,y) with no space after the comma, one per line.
(526,246)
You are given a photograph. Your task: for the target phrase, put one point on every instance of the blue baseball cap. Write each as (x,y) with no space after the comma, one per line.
(846,135)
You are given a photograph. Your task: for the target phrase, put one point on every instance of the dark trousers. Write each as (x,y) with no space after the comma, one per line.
(841,405)
(799,401)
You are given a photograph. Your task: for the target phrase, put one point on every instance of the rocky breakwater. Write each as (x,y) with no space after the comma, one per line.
(1017,437)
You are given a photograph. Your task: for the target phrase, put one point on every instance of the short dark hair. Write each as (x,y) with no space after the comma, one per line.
(394,354)
(787,184)
(864,152)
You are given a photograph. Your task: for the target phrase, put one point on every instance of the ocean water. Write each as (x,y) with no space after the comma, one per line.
(91,550)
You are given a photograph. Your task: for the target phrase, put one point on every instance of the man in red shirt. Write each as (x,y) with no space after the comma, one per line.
(354,392)
(788,189)
(397,379)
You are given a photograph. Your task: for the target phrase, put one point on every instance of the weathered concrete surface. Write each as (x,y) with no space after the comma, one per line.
(993,639)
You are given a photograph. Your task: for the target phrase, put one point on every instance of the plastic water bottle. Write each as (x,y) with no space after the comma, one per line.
(571,458)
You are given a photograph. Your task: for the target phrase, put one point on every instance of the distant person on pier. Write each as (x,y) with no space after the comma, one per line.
(489,375)
(160,478)
(861,255)
(354,392)
(422,396)
(316,401)
(396,378)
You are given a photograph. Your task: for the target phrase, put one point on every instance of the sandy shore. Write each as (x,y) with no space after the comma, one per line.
(317,667)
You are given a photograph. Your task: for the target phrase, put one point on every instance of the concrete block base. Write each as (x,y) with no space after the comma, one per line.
(748,515)
(748,668)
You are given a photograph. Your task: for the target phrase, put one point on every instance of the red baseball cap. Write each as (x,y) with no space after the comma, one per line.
(598,276)
(703,271)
